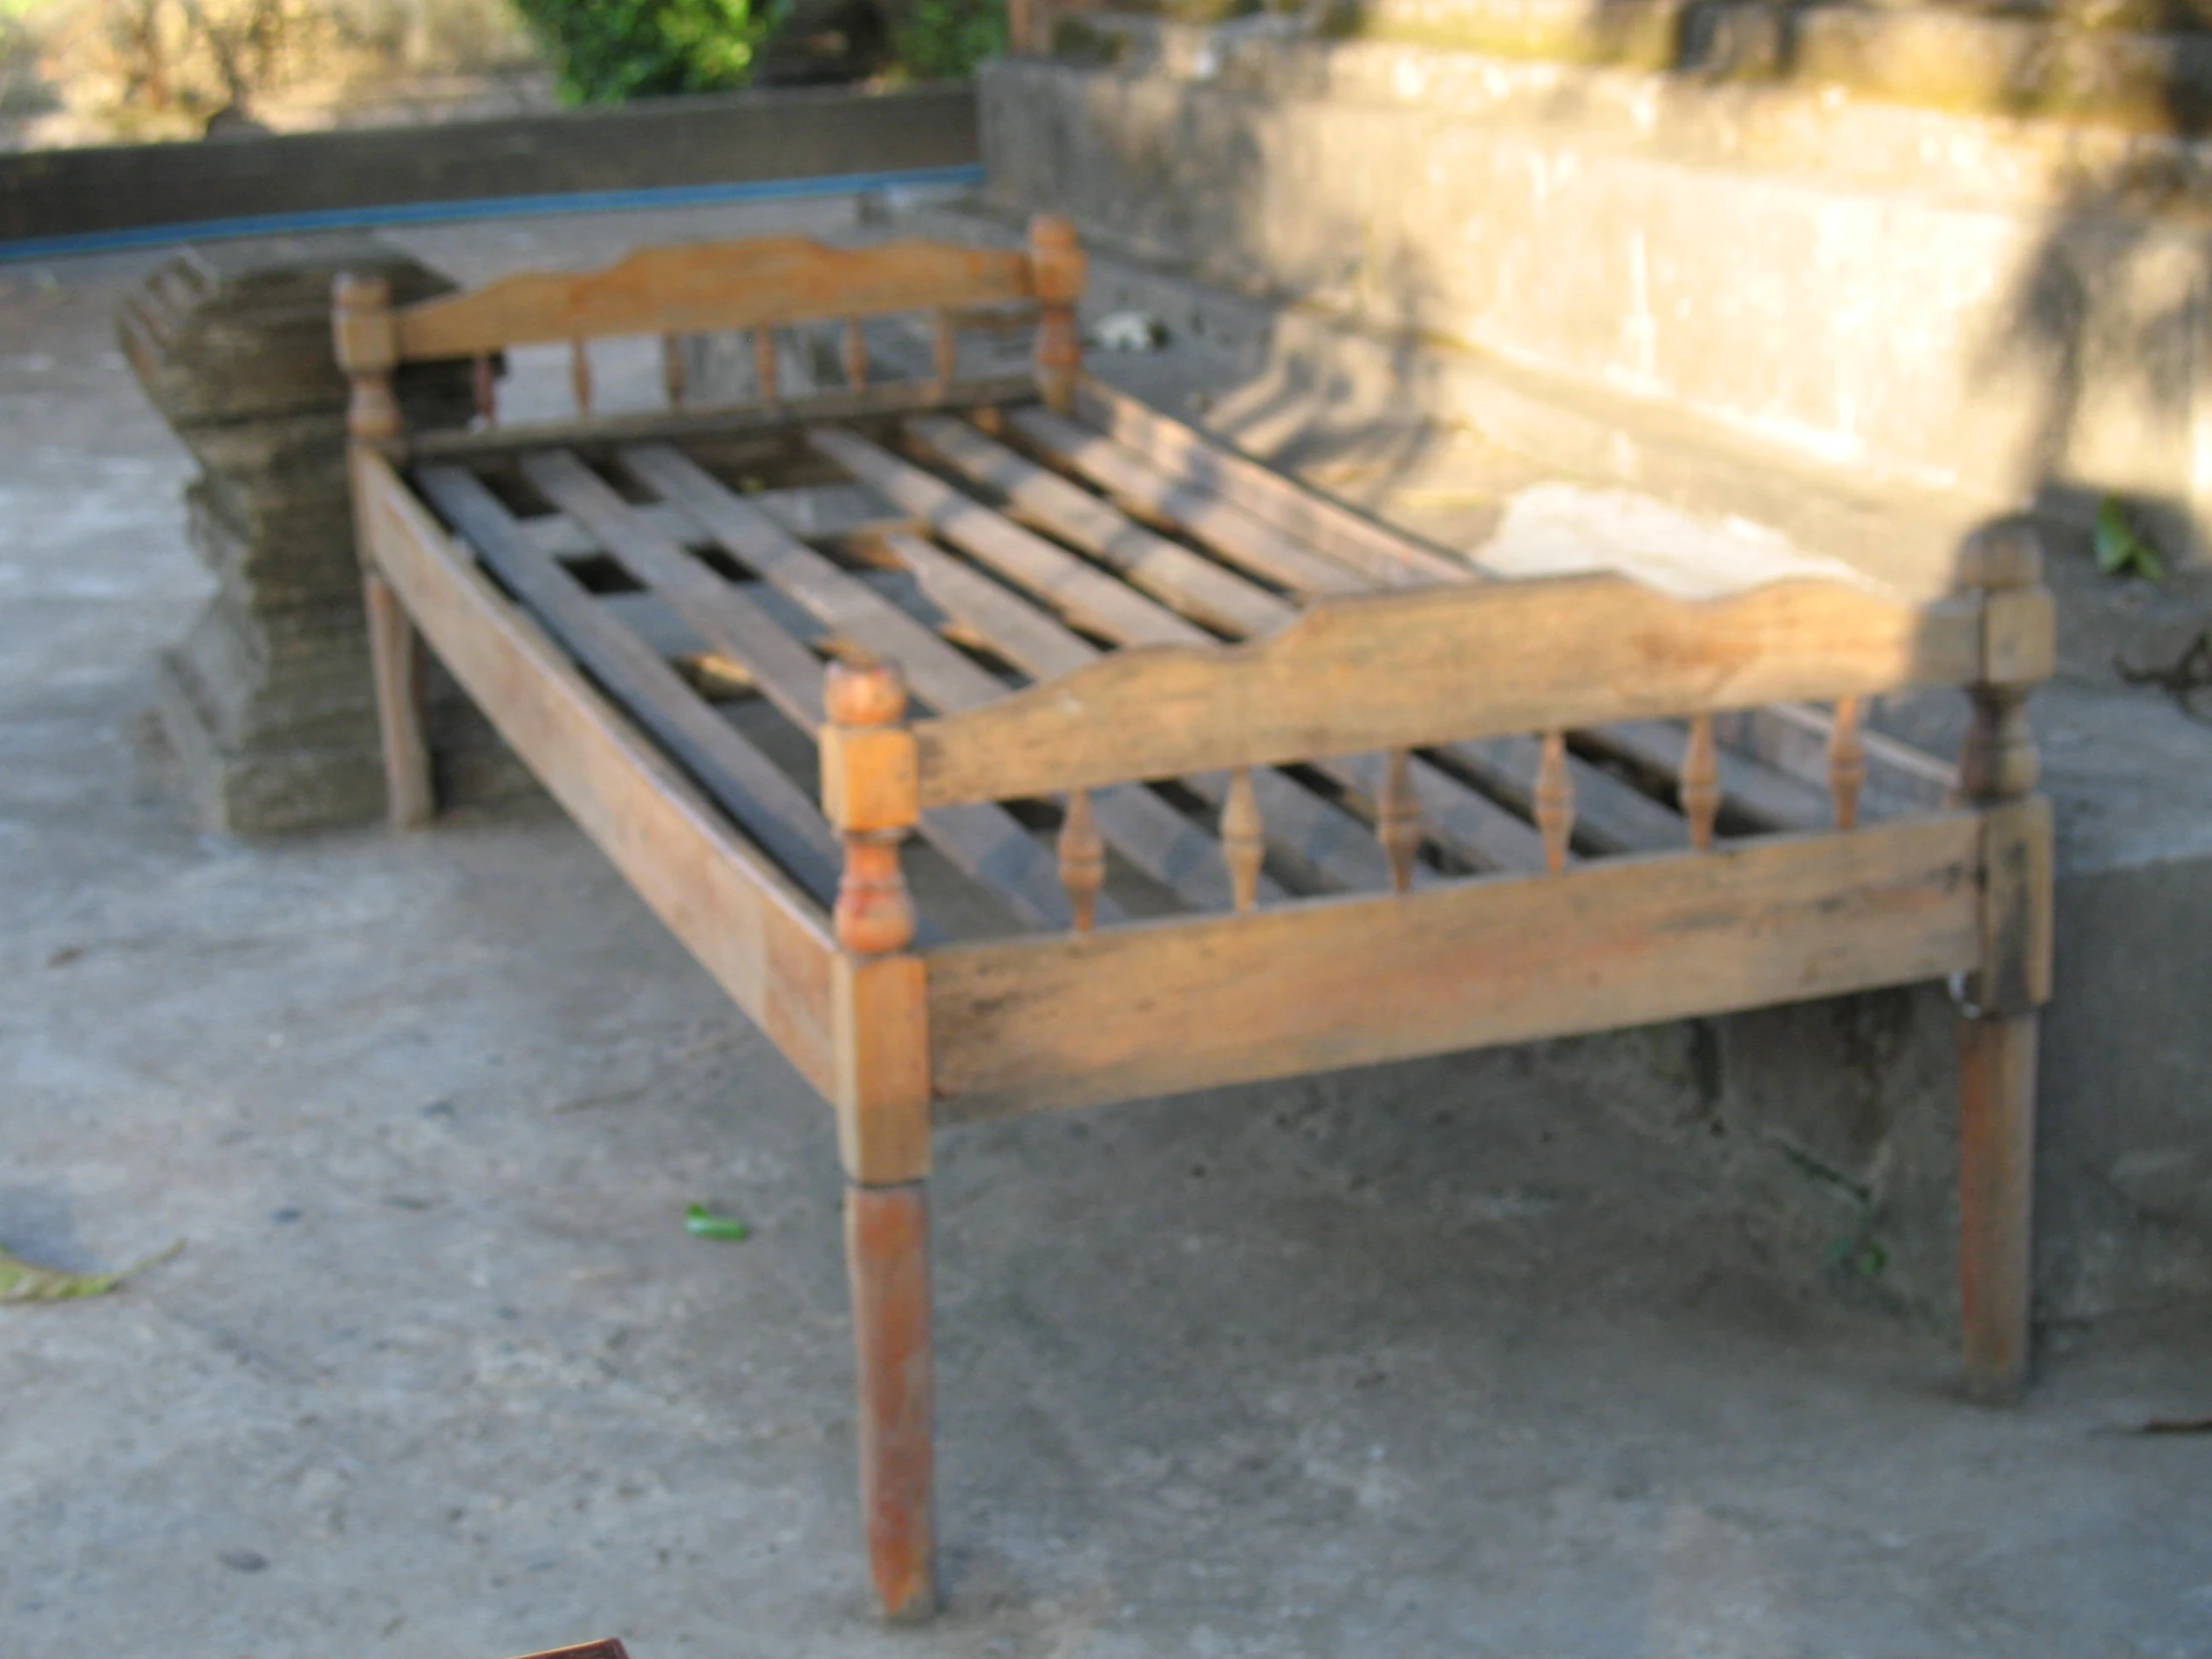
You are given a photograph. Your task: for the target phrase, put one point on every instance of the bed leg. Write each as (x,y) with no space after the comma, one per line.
(888,1249)
(1997,1160)
(394,661)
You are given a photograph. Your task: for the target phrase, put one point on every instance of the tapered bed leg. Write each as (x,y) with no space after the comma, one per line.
(887,1249)
(1997,1160)
(394,661)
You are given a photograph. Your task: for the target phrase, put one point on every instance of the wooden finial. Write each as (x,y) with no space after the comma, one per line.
(1057,271)
(1555,801)
(1243,838)
(579,374)
(2004,565)
(855,352)
(675,378)
(1397,819)
(868,793)
(485,384)
(366,337)
(1847,764)
(1701,783)
(1082,860)
(763,363)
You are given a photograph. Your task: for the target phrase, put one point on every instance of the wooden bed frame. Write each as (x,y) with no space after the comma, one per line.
(1414,811)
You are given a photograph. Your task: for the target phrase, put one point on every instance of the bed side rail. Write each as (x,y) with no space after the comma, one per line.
(1412,670)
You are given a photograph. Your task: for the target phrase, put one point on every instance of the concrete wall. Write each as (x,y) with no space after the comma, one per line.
(1965,305)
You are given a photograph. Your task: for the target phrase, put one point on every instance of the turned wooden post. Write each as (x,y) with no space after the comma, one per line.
(366,337)
(1701,783)
(881,1039)
(1082,860)
(1058,269)
(1397,819)
(1996,1134)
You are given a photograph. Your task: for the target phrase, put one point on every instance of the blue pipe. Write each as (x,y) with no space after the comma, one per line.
(497,206)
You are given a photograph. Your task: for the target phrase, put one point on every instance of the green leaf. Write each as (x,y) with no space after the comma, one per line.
(701,1223)
(2121,548)
(20,1281)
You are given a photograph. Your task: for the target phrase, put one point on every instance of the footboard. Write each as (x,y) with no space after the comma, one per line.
(1278,988)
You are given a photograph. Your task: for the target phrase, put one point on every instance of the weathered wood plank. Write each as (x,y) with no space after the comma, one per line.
(1090,597)
(1199,588)
(1389,556)
(1146,489)
(983,840)
(711,286)
(1155,838)
(729,420)
(787,672)
(1449,663)
(748,786)
(1155,1008)
(748,924)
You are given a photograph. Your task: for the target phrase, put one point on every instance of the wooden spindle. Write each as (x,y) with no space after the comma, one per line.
(949,348)
(856,354)
(1057,271)
(675,377)
(1397,819)
(1082,860)
(579,374)
(1243,838)
(763,363)
(485,384)
(1847,764)
(1555,801)
(1701,783)
(868,783)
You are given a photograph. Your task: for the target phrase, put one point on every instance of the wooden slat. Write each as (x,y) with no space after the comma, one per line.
(1199,588)
(1155,838)
(1328,526)
(1147,489)
(1155,1008)
(834,513)
(770,808)
(729,420)
(709,287)
(1794,740)
(787,672)
(1449,663)
(983,840)
(1088,596)
(742,917)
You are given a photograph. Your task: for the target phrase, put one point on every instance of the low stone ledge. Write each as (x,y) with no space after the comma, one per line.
(266,706)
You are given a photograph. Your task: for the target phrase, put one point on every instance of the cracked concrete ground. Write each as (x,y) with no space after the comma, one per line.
(1467,1357)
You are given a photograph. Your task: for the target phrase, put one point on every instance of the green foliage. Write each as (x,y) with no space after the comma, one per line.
(22,1282)
(610,50)
(943,39)
(2121,548)
(701,1223)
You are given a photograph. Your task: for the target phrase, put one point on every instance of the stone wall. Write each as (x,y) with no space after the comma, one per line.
(1986,308)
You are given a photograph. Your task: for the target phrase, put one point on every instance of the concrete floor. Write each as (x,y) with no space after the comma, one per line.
(1469,1358)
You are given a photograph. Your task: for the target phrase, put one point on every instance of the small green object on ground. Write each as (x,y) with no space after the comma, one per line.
(701,1223)
(20,1281)
(2121,548)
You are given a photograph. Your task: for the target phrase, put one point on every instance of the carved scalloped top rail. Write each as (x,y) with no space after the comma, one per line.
(706,286)
(1444,665)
